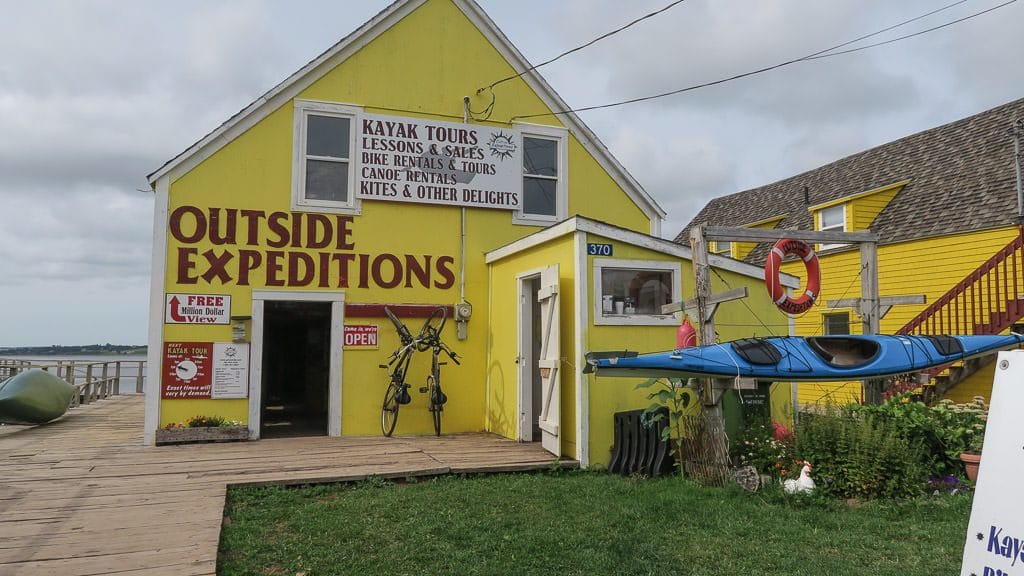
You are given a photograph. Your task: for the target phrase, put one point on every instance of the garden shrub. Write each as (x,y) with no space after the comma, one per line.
(858,455)
(946,429)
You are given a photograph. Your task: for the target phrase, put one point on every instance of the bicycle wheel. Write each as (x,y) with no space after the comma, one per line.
(389,411)
(436,406)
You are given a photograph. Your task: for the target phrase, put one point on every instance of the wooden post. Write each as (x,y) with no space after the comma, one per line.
(90,390)
(117,377)
(711,389)
(869,309)
(106,381)
(138,377)
(702,285)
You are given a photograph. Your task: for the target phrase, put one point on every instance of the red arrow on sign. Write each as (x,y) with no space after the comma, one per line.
(175,303)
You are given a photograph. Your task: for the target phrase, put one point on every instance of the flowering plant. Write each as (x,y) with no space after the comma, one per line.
(963,427)
(769,449)
(203,422)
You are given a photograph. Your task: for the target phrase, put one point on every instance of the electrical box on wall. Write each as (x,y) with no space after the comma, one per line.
(463,310)
(240,329)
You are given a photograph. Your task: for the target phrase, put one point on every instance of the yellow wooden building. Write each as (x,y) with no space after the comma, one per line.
(944,203)
(378,175)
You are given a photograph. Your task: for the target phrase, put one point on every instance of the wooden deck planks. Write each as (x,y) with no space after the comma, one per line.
(82,496)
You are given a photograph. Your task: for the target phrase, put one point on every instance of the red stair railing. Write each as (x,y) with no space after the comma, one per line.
(986,301)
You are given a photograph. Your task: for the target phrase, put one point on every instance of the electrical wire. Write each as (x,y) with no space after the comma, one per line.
(859,48)
(828,52)
(858,276)
(581,47)
(742,301)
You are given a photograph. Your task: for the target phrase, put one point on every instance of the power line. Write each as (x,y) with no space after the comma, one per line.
(581,47)
(859,48)
(814,56)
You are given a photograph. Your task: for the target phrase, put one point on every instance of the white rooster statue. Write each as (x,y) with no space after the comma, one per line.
(803,484)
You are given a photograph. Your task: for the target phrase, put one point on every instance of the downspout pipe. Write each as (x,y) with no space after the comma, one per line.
(462,222)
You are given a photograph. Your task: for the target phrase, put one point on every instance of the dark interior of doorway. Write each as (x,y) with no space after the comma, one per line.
(296,369)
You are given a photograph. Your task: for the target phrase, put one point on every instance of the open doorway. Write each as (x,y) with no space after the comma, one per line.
(295,369)
(540,366)
(530,398)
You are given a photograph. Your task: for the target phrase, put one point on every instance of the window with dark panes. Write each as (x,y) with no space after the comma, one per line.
(629,291)
(838,323)
(540,176)
(327,158)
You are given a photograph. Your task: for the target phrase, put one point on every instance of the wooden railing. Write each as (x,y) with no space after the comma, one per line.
(95,379)
(987,301)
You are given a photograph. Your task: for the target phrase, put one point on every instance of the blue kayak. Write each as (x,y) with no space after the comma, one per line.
(793,358)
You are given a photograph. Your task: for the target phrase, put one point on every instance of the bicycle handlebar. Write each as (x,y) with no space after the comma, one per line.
(428,338)
(451,353)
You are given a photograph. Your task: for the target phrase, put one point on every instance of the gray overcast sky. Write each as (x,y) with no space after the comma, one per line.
(96,94)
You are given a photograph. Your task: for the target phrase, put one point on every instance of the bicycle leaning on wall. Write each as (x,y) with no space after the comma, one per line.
(397,392)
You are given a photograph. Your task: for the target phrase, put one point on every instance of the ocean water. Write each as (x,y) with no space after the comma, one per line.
(129,367)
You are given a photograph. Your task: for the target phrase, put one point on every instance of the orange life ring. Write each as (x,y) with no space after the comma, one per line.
(778,294)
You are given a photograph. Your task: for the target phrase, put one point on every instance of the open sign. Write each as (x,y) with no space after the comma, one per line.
(361,336)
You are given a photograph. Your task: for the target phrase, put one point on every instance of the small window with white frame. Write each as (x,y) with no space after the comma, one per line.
(632,292)
(723,248)
(323,169)
(544,198)
(836,323)
(832,219)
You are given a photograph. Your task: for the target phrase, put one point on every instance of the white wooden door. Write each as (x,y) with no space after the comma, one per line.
(550,360)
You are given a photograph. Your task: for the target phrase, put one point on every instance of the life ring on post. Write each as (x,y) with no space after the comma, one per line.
(812,288)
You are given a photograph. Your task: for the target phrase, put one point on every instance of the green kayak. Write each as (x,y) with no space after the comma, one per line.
(34,397)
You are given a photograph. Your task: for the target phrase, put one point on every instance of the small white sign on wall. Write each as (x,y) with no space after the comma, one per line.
(995,533)
(198,309)
(230,370)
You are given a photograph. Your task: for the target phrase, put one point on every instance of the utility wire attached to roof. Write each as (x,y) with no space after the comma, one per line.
(814,56)
(578,48)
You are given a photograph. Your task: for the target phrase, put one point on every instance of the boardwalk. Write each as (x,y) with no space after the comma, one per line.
(83,496)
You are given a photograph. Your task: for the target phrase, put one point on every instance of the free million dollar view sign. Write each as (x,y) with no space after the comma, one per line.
(431,162)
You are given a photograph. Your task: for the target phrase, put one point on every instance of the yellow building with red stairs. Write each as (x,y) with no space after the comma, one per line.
(944,203)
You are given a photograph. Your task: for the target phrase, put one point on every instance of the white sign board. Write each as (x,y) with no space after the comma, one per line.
(995,533)
(230,370)
(361,336)
(403,159)
(198,309)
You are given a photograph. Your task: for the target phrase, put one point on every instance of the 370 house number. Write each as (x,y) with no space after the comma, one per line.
(599,249)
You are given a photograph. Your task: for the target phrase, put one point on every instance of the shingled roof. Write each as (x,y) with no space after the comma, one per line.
(962,178)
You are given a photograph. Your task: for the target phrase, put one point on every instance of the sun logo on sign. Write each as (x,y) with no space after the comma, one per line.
(502,145)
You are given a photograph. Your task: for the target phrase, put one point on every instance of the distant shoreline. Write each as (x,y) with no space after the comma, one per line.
(87,350)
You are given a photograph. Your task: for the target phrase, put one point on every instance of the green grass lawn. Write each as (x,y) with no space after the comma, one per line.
(581,523)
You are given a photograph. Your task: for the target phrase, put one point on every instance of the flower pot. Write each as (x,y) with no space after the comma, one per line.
(201,434)
(971,463)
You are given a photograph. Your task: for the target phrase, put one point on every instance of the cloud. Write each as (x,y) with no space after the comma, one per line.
(95,95)
(93,235)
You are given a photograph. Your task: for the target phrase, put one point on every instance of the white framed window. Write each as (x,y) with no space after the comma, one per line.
(836,323)
(723,248)
(832,218)
(632,292)
(323,157)
(545,162)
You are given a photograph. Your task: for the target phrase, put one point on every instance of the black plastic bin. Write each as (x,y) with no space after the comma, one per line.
(639,448)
